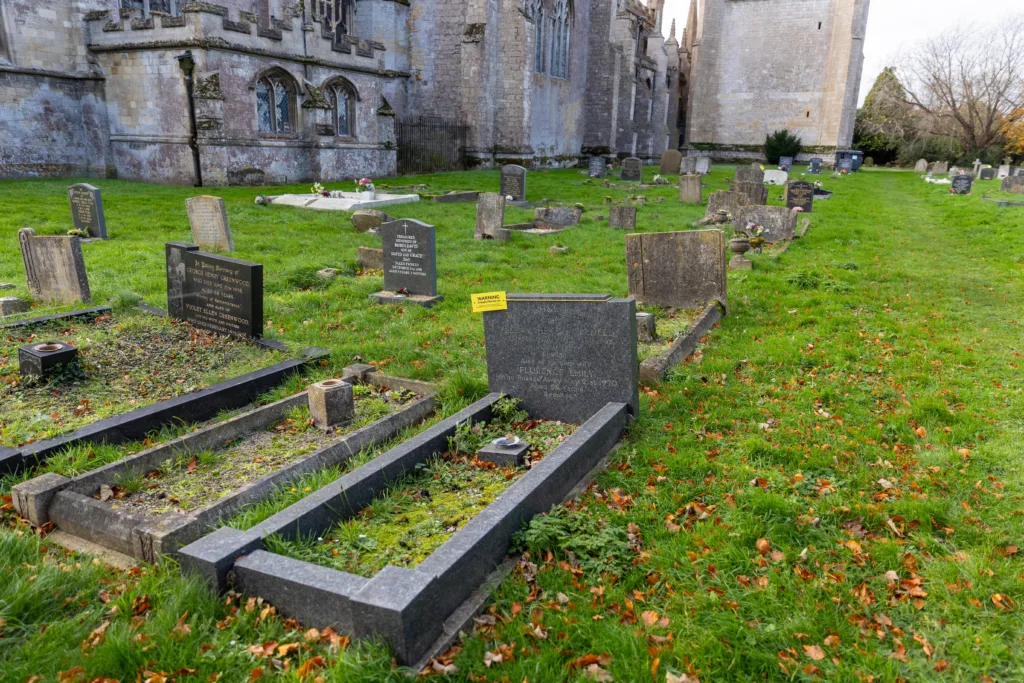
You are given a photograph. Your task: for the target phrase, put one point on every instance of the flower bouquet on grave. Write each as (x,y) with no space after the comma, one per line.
(317,190)
(366,188)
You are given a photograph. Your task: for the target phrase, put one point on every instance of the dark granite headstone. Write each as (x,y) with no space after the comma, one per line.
(597,168)
(174,255)
(800,194)
(622,217)
(779,223)
(670,160)
(961,184)
(565,355)
(54,267)
(87,210)
(814,167)
(410,257)
(677,269)
(688,165)
(786,164)
(513,182)
(632,170)
(988,174)
(217,293)
(846,164)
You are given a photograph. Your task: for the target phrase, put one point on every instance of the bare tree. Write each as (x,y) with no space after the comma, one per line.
(968,80)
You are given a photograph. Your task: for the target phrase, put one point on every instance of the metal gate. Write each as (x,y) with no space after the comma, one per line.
(431,143)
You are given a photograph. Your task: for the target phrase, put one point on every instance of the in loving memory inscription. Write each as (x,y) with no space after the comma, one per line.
(222,294)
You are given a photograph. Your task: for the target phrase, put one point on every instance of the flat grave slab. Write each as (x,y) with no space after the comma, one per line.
(345,203)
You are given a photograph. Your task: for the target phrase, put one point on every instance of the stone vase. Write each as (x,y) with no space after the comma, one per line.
(740,246)
(368,195)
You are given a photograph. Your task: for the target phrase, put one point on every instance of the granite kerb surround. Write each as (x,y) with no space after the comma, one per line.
(406,606)
(653,370)
(69,505)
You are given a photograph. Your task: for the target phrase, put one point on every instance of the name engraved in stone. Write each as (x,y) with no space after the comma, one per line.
(223,295)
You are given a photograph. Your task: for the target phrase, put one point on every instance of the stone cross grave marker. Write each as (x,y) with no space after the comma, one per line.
(800,194)
(513,182)
(597,168)
(815,166)
(622,217)
(214,292)
(921,166)
(688,165)
(490,216)
(786,163)
(677,269)
(703,165)
(670,160)
(54,267)
(690,189)
(632,170)
(410,257)
(1014,184)
(87,210)
(774,177)
(779,223)
(208,217)
(565,355)
(988,174)
(961,184)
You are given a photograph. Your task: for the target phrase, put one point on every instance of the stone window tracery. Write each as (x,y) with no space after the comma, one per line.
(560,39)
(337,14)
(275,104)
(342,96)
(537,12)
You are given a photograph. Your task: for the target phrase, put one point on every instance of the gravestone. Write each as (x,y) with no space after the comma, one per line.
(731,202)
(690,189)
(513,182)
(815,165)
(214,292)
(364,220)
(11,305)
(1014,184)
(453,197)
(677,269)
(800,194)
(976,168)
(370,258)
(565,355)
(688,165)
(54,267)
(208,217)
(939,167)
(703,165)
(846,164)
(410,257)
(87,210)
(988,174)
(490,216)
(779,223)
(961,184)
(632,170)
(597,168)
(773,177)
(755,191)
(558,216)
(1004,171)
(670,162)
(786,163)
(745,174)
(921,166)
(622,217)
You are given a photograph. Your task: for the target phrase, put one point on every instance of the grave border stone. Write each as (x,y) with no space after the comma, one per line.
(654,369)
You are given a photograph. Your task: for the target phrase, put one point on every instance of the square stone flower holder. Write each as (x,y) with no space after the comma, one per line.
(331,403)
(42,360)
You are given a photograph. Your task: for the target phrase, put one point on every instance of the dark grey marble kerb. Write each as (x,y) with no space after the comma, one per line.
(564,355)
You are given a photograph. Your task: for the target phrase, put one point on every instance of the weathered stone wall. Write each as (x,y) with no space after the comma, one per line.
(765,65)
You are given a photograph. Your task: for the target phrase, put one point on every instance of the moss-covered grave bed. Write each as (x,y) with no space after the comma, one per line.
(125,362)
(668,325)
(192,481)
(415,517)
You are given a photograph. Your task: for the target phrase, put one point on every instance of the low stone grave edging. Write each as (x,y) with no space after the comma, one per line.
(94,312)
(68,503)
(653,370)
(406,606)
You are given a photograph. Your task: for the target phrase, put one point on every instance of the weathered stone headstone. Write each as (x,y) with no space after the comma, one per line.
(11,305)
(216,293)
(779,223)
(410,257)
(677,269)
(513,182)
(364,220)
(921,166)
(815,165)
(622,217)
(670,160)
(731,202)
(370,258)
(558,216)
(756,192)
(87,210)
(453,197)
(54,267)
(961,184)
(565,355)
(632,170)
(703,165)
(1004,171)
(490,216)
(786,163)
(597,168)
(939,167)
(208,217)
(1014,184)
(988,174)
(773,177)
(750,174)
(690,189)
(688,165)
(800,194)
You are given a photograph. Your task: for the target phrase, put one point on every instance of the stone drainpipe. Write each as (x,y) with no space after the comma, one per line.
(188,67)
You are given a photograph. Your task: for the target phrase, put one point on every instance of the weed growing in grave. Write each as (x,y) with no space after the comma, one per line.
(591,540)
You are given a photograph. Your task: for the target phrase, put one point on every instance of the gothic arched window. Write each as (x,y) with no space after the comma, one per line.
(560,39)
(275,103)
(537,13)
(342,96)
(337,14)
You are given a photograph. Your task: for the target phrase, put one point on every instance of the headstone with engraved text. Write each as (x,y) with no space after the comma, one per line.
(632,170)
(87,210)
(214,292)
(597,168)
(208,217)
(677,269)
(54,267)
(800,194)
(513,182)
(961,184)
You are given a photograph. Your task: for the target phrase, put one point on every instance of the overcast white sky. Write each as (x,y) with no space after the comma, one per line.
(893,24)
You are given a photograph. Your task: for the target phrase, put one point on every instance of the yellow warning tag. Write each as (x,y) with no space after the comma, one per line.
(489,301)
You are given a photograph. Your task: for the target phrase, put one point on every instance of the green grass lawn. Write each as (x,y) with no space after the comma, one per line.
(829,491)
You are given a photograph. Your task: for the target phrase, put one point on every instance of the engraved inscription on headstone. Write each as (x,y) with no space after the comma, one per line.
(54,267)
(815,166)
(961,184)
(513,182)
(87,210)
(800,194)
(846,164)
(703,165)
(677,269)
(632,170)
(410,257)
(223,294)
(786,164)
(208,217)
(688,165)
(597,168)
(565,355)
